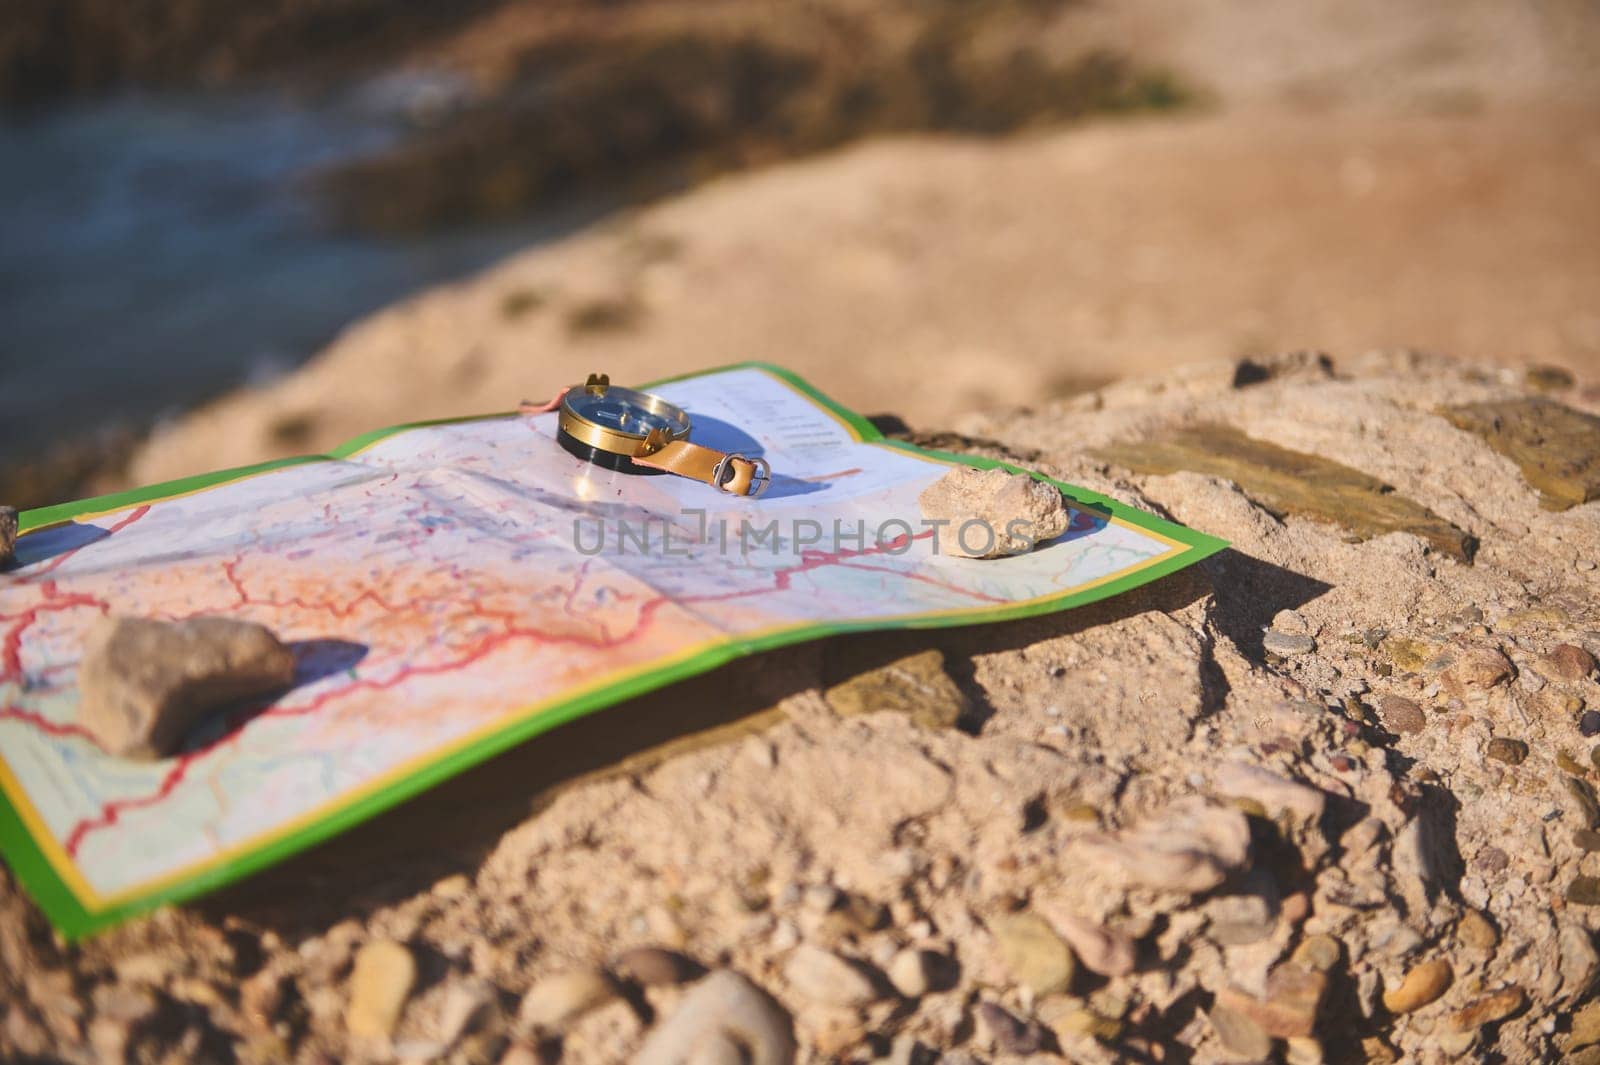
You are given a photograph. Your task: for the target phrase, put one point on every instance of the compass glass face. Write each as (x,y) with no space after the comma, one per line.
(625,411)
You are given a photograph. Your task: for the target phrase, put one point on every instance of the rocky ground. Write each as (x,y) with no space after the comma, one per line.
(1328,796)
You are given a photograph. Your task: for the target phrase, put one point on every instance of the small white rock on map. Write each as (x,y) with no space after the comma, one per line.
(992,513)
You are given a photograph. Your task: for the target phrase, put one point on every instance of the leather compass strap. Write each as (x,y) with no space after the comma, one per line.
(734,474)
(528,406)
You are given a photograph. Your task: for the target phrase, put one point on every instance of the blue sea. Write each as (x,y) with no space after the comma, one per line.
(156,251)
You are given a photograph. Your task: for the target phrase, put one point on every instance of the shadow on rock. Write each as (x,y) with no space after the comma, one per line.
(1250,592)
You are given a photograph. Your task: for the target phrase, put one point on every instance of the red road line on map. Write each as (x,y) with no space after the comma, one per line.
(42,723)
(11,648)
(338,610)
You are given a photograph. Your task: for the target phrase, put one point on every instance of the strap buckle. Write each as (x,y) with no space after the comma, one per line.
(654,441)
(722,474)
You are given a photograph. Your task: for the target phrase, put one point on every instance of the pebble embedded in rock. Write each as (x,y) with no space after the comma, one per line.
(1010,1034)
(1319,953)
(8,534)
(107,1038)
(1488,1009)
(380,982)
(1580,960)
(1509,751)
(1567,661)
(1286,644)
(992,513)
(1102,950)
(1289,1008)
(1589,723)
(1238,920)
(1065,1017)
(145,683)
(906,1050)
(454,886)
(826,978)
(1239,1033)
(126,1005)
(1423,984)
(465,1005)
(1583,797)
(911,972)
(1276,795)
(1585,1027)
(1191,847)
(820,898)
(555,1001)
(1477,932)
(1406,654)
(522,1054)
(1491,860)
(1584,890)
(260,998)
(1568,764)
(1036,955)
(1400,714)
(1587,839)
(1304,1051)
(1477,669)
(854,917)
(654,967)
(722,1006)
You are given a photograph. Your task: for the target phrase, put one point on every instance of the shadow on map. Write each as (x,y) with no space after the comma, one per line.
(725,436)
(453,827)
(41,545)
(314,660)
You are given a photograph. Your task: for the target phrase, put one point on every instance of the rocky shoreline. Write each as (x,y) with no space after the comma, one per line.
(1328,797)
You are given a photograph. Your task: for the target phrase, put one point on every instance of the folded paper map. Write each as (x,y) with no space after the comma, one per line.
(453,588)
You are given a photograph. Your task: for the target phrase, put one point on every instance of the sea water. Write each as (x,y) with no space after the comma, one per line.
(156,250)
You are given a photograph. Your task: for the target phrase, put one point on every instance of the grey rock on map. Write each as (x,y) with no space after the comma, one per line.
(145,683)
(8,533)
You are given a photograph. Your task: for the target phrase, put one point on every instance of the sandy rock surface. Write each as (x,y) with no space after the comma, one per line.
(1150,832)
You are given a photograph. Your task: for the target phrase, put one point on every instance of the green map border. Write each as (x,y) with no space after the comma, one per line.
(73,919)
